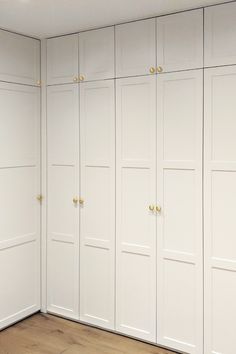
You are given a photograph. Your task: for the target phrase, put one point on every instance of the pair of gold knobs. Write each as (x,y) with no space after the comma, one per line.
(156,208)
(78,200)
(78,79)
(159,70)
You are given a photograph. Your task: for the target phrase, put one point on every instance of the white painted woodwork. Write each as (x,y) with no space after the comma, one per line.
(135,48)
(180,41)
(62,59)
(97,215)
(19,59)
(220,35)
(63,186)
(96,54)
(20,209)
(179,224)
(220,210)
(135,191)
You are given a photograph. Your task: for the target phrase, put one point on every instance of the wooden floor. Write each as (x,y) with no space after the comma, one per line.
(46,334)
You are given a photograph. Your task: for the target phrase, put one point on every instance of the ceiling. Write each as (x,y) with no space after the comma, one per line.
(46,18)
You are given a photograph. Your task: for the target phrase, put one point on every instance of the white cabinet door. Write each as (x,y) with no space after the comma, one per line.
(63,213)
(136,224)
(96,54)
(179,224)
(62,60)
(220,35)
(220,210)
(180,41)
(20,209)
(19,59)
(135,48)
(97,122)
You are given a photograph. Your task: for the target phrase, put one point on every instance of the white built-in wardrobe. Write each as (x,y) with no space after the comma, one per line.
(138,175)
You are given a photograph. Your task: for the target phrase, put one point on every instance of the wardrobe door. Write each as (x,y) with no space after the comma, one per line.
(220,34)
(135,192)
(20,208)
(19,59)
(96,54)
(135,48)
(220,210)
(179,221)
(62,60)
(97,231)
(180,41)
(63,212)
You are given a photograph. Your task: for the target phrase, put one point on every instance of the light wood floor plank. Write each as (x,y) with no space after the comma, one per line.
(47,334)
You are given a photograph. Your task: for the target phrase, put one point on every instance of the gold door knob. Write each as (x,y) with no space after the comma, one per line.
(159,69)
(75,79)
(158,208)
(75,200)
(81,201)
(81,78)
(152,70)
(39,197)
(151,207)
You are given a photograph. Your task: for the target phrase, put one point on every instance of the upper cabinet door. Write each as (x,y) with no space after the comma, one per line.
(180,41)
(135,48)
(220,35)
(96,54)
(19,59)
(62,60)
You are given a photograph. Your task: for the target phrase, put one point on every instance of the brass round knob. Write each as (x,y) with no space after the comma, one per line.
(75,200)
(75,79)
(81,201)
(159,69)
(39,197)
(152,70)
(151,207)
(81,78)
(158,208)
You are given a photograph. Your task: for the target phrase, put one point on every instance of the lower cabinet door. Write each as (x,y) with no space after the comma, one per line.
(135,192)
(97,208)
(179,222)
(63,208)
(220,210)
(20,208)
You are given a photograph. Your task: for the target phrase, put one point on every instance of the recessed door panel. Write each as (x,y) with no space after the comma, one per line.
(179,223)
(136,223)
(135,48)
(20,125)
(96,54)
(97,210)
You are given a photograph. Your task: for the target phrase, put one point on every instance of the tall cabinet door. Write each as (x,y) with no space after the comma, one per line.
(135,192)
(220,210)
(179,222)
(97,208)
(20,209)
(63,211)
